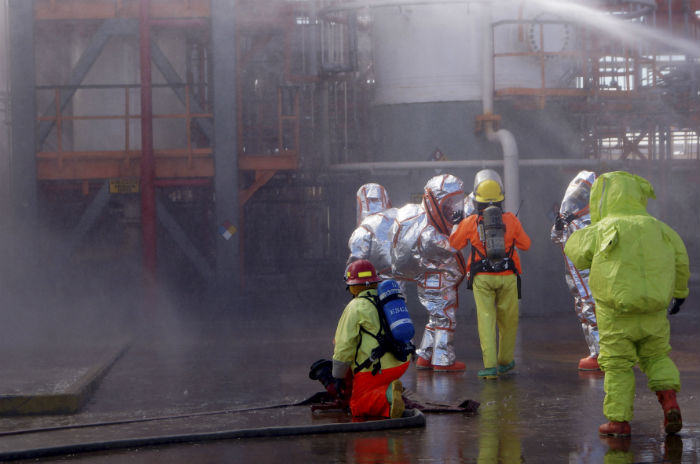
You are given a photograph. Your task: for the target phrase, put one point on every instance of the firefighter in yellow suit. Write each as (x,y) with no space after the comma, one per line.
(375,394)
(495,287)
(638,265)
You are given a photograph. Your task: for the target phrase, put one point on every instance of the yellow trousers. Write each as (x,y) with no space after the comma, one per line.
(496,298)
(628,339)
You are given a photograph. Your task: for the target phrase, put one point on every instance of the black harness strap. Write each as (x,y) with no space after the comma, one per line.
(374,357)
(379,351)
(484,265)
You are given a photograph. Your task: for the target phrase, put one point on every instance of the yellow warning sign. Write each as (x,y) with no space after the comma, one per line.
(123,186)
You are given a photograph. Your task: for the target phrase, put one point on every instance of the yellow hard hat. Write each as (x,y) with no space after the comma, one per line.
(489,191)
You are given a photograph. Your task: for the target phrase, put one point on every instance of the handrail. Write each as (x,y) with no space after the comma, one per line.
(125,155)
(617,72)
(188,160)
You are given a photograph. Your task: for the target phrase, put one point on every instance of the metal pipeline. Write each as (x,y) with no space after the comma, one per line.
(511,175)
(488,163)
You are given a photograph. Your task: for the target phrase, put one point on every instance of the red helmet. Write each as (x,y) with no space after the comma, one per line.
(361,272)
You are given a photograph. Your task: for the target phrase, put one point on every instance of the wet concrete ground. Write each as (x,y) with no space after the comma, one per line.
(194,360)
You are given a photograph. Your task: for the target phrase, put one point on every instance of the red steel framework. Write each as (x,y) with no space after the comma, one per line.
(185,163)
(192,161)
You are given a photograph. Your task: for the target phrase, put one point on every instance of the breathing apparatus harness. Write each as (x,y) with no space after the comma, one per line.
(491,231)
(395,328)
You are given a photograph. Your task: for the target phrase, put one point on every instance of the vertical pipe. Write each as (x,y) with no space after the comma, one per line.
(4,115)
(59,124)
(24,201)
(127,135)
(225,144)
(511,173)
(148,198)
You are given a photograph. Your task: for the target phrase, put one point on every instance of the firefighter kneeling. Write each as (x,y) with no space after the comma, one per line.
(361,351)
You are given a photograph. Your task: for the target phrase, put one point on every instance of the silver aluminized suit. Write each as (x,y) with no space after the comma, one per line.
(575,213)
(422,253)
(371,239)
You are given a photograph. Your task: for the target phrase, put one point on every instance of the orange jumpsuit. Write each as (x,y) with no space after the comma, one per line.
(369,391)
(467,232)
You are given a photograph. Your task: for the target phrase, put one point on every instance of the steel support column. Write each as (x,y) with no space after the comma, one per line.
(23,178)
(147,171)
(225,146)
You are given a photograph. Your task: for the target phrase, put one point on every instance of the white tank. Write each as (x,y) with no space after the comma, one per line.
(433,53)
(524,29)
(426,53)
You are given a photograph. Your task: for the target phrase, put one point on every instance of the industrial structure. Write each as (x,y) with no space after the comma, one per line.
(202,142)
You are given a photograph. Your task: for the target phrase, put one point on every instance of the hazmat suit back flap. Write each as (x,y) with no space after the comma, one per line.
(372,241)
(420,234)
(637,263)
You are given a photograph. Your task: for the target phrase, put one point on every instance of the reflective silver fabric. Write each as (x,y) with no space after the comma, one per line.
(425,349)
(437,344)
(575,202)
(443,349)
(422,254)
(371,198)
(372,241)
(469,205)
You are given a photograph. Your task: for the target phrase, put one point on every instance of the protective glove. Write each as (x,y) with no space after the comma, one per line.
(560,223)
(336,388)
(675,305)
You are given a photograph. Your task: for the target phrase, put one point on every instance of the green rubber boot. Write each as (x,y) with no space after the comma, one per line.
(508,367)
(488,373)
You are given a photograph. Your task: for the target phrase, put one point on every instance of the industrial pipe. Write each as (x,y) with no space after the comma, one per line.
(511,175)
(489,163)
(483,164)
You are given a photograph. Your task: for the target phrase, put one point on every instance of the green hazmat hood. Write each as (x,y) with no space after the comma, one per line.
(619,193)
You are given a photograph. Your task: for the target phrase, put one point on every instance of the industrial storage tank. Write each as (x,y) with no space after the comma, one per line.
(428,60)
(434,52)
(426,53)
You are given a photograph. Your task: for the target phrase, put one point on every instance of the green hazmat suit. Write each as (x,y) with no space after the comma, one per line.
(637,265)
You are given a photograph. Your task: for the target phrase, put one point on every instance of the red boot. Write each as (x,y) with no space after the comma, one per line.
(457,366)
(589,364)
(672,413)
(615,429)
